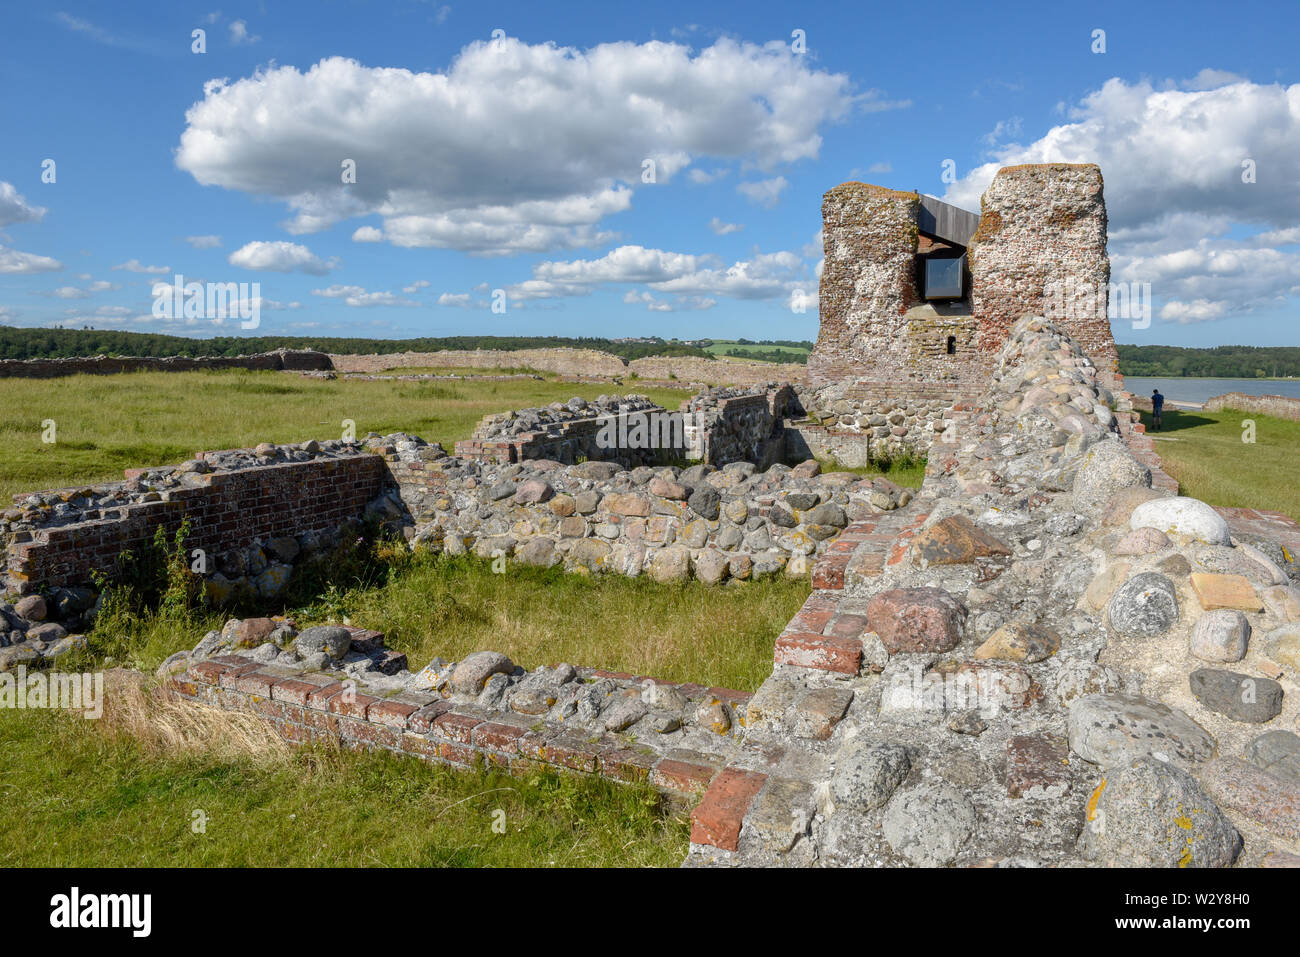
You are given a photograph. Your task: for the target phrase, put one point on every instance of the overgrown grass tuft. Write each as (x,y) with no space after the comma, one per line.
(450,607)
(905,470)
(435,606)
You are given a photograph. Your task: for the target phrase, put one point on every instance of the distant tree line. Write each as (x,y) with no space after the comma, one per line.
(788,343)
(64,343)
(1228,362)
(1234,362)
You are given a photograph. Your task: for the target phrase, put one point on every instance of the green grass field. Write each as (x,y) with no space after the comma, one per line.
(1206,453)
(721,348)
(907,472)
(106,793)
(104,424)
(432,606)
(82,795)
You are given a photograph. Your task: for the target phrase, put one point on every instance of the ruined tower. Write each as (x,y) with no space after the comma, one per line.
(917,291)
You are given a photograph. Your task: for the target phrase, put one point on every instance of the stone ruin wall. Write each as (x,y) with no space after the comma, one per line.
(583,363)
(670,523)
(1041,225)
(882,383)
(715,427)
(58,538)
(284,359)
(868,283)
(1278,406)
(1048,634)
(938,688)
(741,372)
(258,511)
(562,361)
(857,422)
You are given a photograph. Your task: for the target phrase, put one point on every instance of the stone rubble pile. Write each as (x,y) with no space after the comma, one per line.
(30,636)
(1064,666)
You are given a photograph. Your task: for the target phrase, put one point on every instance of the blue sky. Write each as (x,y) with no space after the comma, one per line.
(518,163)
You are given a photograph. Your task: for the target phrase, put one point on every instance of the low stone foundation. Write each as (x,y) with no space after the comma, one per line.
(1278,406)
(574,720)
(714,427)
(671,523)
(60,537)
(857,421)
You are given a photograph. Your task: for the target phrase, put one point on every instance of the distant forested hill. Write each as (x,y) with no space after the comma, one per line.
(1228,362)
(62,343)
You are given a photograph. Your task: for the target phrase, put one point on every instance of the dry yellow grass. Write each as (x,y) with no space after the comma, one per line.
(164,725)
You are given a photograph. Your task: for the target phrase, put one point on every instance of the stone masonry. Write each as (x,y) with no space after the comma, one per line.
(1040,226)
(869,236)
(882,355)
(1048,659)
(1039,661)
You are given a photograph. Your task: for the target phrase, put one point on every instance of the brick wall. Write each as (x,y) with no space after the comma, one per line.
(228,510)
(307,707)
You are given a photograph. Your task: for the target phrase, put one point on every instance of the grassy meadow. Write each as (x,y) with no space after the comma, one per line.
(127,791)
(123,790)
(104,424)
(753,350)
(1206,453)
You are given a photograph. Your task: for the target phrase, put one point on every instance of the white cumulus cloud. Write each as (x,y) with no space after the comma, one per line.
(762,276)
(357,296)
(1189,168)
(14,208)
(13,262)
(134,265)
(280,256)
(515,146)
(764,192)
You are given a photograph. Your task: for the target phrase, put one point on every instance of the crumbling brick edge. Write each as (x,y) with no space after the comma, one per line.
(310,707)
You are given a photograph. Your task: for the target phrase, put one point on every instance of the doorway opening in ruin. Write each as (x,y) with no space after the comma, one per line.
(952,345)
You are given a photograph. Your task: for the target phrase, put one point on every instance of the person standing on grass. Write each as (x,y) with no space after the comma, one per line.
(1157,408)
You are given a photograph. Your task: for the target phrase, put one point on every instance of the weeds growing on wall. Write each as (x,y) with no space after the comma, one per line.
(431,605)
(155,604)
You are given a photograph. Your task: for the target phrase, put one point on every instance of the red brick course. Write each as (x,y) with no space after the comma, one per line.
(716,820)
